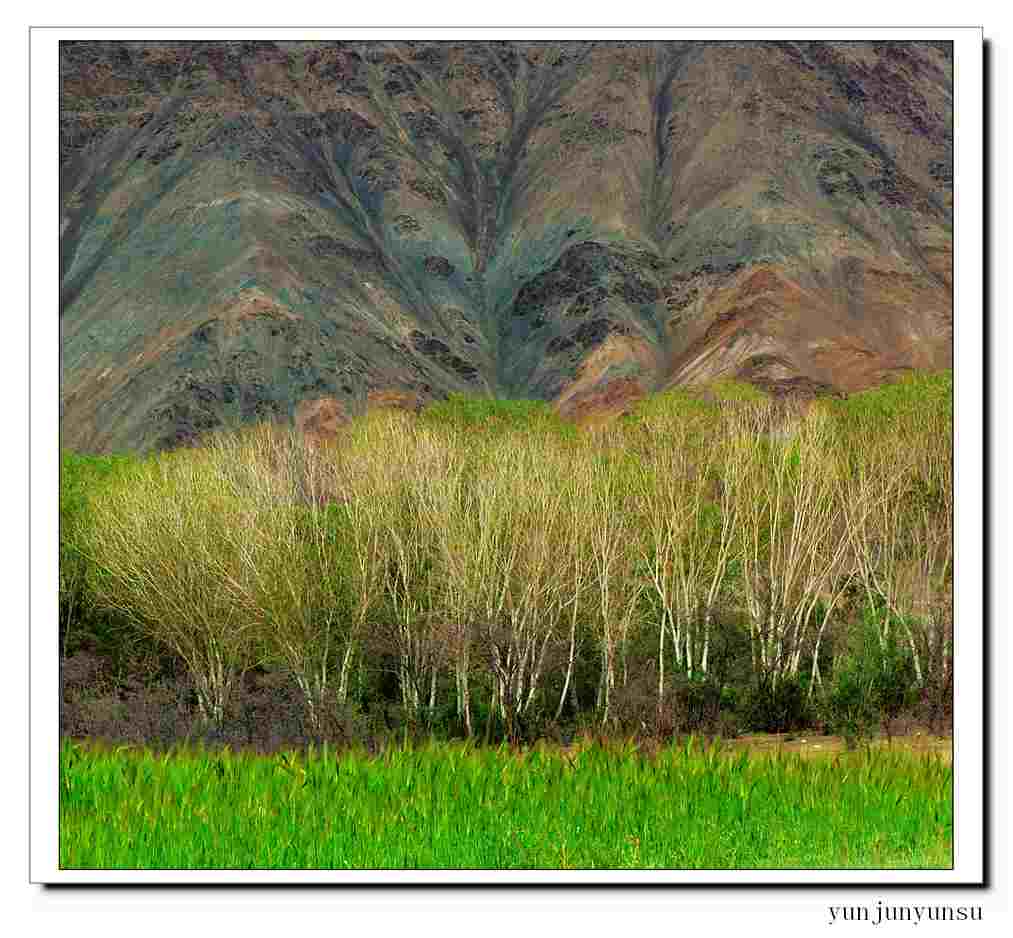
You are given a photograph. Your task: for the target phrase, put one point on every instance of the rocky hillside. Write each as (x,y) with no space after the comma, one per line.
(254,230)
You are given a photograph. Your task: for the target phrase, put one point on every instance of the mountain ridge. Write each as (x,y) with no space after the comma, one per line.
(257,230)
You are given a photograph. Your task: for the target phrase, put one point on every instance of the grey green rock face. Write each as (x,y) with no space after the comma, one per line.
(246,226)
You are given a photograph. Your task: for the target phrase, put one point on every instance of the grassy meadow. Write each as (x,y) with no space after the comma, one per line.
(451,806)
(486,578)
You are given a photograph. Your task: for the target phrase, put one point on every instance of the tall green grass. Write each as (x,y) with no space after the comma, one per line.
(455,807)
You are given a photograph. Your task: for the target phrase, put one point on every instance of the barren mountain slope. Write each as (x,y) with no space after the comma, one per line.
(268,229)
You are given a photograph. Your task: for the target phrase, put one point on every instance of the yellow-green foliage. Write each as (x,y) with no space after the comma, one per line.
(167,544)
(676,403)
(728,389)
(483,541)
(490,416)
(914,399)
(81,477)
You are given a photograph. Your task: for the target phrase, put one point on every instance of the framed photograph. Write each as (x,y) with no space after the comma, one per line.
(508,457)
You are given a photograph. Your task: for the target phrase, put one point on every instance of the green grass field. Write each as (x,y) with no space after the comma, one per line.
(457,807)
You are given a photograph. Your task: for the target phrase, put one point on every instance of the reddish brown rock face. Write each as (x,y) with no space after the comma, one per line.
(250,226)
(320,419)
(611,400)
(847,333)
(396,400)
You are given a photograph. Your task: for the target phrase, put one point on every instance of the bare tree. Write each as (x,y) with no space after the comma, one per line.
(900,522)
(689,515)
(505,567)
(165,556)
(612,534)
(791,540)
(577,568)
(413,587)
(445,508)
(384,471)
(295,552)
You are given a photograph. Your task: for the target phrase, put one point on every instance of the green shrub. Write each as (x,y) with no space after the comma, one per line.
(769,706)
(849,708)
(872,684)
(698,705)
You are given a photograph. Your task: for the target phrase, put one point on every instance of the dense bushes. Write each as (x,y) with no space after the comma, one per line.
(705,565)
(874,681)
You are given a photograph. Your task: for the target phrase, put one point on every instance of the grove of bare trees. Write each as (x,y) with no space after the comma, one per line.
(522,574)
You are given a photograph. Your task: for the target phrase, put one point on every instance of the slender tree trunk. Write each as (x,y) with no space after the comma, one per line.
(310,700)
(213,689)
(346,664)
(708,618)
(569,667)
(689,653)
(492,713)
(607,683)
(464,693)
(916,658)
(536,674)
(661,665)
(211,701)
(466,696)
